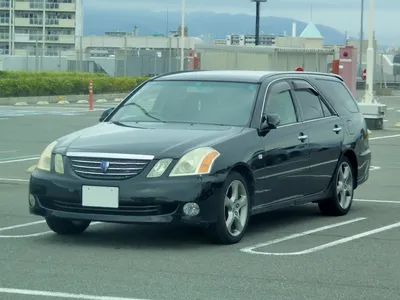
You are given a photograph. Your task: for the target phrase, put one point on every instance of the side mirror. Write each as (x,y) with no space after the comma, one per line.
(105,114)
(270,121)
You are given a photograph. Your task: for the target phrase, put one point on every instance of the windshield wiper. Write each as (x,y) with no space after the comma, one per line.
(145,112)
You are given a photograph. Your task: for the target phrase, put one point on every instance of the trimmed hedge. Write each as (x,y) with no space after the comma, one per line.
(30,84)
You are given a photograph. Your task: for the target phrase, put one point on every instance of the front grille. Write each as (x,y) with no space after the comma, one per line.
(118,169)
(125,208)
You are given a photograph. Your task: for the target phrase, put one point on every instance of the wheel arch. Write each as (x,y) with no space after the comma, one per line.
(352,157)
(244,170)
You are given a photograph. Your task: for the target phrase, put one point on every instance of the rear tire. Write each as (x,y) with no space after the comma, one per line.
(67,227)
(233,211)
(342,191)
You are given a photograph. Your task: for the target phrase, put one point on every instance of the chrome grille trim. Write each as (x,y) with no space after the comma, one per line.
(101,155)
(121,166)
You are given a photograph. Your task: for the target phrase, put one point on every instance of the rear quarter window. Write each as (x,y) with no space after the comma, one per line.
(338,96)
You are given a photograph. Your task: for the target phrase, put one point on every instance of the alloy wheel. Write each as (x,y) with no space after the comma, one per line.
(236,208)
(344,186)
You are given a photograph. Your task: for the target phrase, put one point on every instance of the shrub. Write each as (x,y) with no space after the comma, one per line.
(25,84)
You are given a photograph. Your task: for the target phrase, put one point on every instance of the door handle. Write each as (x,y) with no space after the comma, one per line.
(302,137)
(337,129)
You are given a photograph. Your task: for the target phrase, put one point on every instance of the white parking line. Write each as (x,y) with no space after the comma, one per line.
(19,160)
(377,201)
(32,234)
(61,295)
(21,225)
(384,137)
(250,249)
(14,179)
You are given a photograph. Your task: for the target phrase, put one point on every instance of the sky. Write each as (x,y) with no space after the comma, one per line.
(343,15)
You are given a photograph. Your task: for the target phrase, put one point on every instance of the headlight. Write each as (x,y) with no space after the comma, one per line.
(45,159)
(196,162)
(159,168)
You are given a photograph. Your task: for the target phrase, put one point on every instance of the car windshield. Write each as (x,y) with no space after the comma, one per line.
(205,102)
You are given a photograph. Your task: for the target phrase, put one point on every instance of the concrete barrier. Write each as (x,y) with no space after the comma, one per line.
(54,99)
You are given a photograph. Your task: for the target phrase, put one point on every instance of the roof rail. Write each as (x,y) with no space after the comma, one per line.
(173,73)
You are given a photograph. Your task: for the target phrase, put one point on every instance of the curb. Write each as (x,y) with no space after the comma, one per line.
(82,102)
(21,104)
(397,125)
(63,102)
(42,103)
(101,101)
(118,100)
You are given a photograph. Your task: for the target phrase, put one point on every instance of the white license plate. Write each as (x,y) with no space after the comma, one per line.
(100,196)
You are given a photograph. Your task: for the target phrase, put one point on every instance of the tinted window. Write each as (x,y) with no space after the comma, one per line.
(282,104)
(337,94)
(194,102)
(325,109)
(310,105)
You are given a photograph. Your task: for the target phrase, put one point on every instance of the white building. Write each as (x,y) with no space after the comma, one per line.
(249,39)
(40,27)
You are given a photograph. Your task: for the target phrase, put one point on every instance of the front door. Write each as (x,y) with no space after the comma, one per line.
(282,166)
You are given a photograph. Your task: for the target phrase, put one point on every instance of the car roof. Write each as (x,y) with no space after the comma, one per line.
(247,76)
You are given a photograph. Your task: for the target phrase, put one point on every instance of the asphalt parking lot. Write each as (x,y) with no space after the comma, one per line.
(294,253)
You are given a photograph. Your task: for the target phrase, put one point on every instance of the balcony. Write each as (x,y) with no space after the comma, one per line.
(4,36)
(4,21)
(26,6)
(60,39)
(64,23)
(64,7)
(28,22)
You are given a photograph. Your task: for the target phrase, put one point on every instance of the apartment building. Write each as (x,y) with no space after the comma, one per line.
(40,27)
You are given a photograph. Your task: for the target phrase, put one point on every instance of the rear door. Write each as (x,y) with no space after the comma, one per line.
(281,169)
(325,134)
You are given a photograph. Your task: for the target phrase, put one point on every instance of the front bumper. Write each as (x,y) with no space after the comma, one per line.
(141,200)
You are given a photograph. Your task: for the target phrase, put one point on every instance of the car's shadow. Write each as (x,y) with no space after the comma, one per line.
(118,236)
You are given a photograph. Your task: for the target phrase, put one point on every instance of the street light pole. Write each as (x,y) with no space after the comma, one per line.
(183,36)
(360,69)
(258,4)
(370,56)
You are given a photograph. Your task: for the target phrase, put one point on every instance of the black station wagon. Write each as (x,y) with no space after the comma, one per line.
(208,148)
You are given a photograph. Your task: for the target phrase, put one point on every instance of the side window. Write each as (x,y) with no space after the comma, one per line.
(310,105)
(282,104)
(325,109)
(338,96)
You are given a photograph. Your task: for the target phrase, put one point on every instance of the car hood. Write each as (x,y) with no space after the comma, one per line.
(158,139)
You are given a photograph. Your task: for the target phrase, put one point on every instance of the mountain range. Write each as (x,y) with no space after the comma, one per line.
(205,24)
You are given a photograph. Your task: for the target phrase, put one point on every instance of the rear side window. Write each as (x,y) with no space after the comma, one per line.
(338,96)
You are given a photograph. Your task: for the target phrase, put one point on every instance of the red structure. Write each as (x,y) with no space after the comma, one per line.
(348,67)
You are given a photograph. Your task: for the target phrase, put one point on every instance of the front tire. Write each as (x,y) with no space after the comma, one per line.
(67,227)
(233,211)
(342,191)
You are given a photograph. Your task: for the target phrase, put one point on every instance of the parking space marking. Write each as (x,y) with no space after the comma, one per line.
(61,295)
(18,159)
(384,137)
(21,225)
(14,179)
(250,250)
(377,201)
(21,236)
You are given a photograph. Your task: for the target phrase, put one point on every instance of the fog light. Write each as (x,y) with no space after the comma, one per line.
(191,209)
(32,200)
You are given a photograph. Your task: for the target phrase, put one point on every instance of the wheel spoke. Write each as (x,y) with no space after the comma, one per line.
(242,201)
(238,224)
(340,186)
(229,202)
(229,221)
(235,191)
(346,173)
